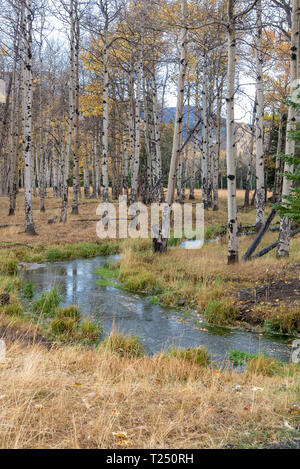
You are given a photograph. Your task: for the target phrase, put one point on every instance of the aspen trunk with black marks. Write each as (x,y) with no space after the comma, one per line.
(249,167)
(86,172)
(55,181)
(27,111)
(148,139)
(138,123)
(13,128)
(184,155)
(218,146)
(278,164)
(211,146)
(259,128)
(163,94)
(42,147)
(179,107)
(131,143)
(105,117)
(205,142)
(76,180)
(125,167)
(65,168)
(156,170)
(3,154)
(230,138)
(193,166)
(96,151)
(285,222)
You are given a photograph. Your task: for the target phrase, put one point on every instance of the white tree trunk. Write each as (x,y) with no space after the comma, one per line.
(277,176)
(205,142)
(138,122)
(105,121)
(65,168)
(76,180)
(259,128)
(27,144)
(179,107)
(230,140)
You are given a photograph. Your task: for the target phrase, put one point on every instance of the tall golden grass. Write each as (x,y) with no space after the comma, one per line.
(74,397)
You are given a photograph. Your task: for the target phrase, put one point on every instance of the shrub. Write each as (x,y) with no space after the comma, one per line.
(66,327)
(285,320)
(108,270)
(124,345)
(13,309)
(265,366)
(198,355)
(90,331)
(28,291)
(10,284)
(142,281)
(221,312)
(70,312)
(47,303)
(9,263)
(238,357)
(53,255)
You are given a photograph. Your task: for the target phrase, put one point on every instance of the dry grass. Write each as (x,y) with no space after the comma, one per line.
(202,280)
(79,397)
(197,277)
(77,231)
(57,233)
(74,397)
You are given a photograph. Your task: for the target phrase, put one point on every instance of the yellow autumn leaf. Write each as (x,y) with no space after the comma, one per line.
(121,435)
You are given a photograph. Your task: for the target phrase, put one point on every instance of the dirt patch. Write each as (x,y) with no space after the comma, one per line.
(274,292)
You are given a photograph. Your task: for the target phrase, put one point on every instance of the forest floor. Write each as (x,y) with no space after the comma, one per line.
(62,396)
(264,292)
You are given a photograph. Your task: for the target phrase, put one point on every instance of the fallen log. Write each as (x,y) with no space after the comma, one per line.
(10,226)
(272,246)
(13,245)
(259,236)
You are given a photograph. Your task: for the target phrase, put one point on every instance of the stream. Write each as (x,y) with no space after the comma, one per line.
(158,328)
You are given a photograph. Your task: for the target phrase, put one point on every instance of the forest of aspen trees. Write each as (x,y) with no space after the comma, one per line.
(165,342)
(85,86)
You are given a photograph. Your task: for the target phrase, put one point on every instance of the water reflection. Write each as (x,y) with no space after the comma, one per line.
(157,327)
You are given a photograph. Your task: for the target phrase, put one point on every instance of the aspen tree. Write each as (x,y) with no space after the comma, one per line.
(230,137)
(14,124)
(179,106)
(76,181)
(205,140)
(277,176)
(259,128)
(138,105)
(249,167)
(105,109)
(27,115)
(65,167)
(285,222)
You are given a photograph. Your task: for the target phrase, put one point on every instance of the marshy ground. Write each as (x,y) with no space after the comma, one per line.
(57,395)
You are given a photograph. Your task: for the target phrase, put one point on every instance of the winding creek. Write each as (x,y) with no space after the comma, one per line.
(157,328)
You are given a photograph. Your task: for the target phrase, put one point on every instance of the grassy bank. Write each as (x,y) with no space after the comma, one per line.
(75,397)
(202,282)
(63,386)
